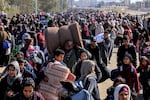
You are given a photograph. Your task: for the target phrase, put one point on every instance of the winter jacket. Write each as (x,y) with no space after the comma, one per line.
(92,86)
(5,87)
(122,51)
(129,73)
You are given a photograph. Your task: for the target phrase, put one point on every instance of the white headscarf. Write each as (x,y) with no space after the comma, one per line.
(118,88)
(10,80)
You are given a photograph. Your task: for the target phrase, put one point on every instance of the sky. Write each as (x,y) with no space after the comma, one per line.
(132,1)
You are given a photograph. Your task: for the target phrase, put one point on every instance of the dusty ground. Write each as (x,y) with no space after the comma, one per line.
(103,86)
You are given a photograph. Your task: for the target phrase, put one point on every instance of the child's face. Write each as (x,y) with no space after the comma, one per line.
(83,56)
(28,91)
(144,62)
(19,56)
(126,42)
(11,71)
(126,60)
(21,66)
(60,58)
(123,95)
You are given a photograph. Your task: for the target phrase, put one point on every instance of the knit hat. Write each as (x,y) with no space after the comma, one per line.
(28,82)
(129,56)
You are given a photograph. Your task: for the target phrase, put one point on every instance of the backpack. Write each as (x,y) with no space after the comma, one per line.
(6,44)
(115,72)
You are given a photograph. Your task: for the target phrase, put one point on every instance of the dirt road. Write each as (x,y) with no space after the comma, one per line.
(103,86)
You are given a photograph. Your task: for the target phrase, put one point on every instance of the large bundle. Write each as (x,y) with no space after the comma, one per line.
(52,39)
(55,73)
(56,37)
(76,35)
(64,34)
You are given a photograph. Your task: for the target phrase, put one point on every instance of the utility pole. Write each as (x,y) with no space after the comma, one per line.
(36,7)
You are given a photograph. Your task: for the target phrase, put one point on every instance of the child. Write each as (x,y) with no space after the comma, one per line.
(89,78)
(10,84)
(122,92)
(59,57)
(110,90)
(129,73)
(84,55)
(144,70)
(27,91)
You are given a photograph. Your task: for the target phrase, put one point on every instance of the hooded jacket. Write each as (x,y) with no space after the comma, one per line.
(118,88)
(89,78)
(11,84)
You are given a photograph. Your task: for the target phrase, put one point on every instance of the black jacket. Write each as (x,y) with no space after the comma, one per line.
(122,51)
(26,73)
(5,87)
(144,77)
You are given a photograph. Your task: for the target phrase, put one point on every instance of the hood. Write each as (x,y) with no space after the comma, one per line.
(17,67)
(87,67)
(118,88)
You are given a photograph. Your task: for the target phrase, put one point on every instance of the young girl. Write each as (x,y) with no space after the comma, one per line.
(89,78)
(129,73)
(11,83)
(27,91)
(84,55)
(144,70)
(110,90)
(122,92)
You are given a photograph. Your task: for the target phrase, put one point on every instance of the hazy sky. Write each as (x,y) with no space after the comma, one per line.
(116,0)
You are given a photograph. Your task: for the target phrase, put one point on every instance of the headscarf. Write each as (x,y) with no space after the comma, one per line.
(87,67)
(15,64)
(146,59)
(119,88)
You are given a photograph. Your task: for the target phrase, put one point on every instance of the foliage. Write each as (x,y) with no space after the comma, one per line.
(28,6)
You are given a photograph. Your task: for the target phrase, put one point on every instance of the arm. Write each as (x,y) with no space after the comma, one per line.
(90,85)
(98,73)
(118,55)
(134,56)
(137,83)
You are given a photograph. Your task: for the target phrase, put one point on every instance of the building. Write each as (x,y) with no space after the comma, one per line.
(147,3)
(127,2)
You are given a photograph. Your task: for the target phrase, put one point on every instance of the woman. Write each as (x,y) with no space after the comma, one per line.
(122,92)
(144,70)
(27,91)
(89,78)
(10,85)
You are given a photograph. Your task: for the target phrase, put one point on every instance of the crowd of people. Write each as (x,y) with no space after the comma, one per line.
(24,53)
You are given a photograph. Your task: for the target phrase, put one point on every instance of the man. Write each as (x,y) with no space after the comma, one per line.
(105,48)
(126,48)
(94,50)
